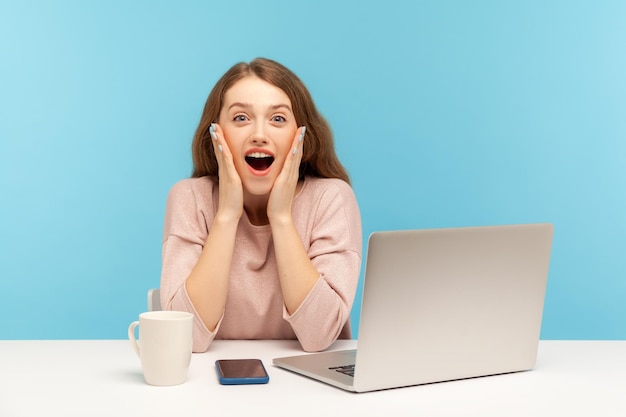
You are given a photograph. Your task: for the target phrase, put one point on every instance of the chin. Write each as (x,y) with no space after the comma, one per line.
(259,188)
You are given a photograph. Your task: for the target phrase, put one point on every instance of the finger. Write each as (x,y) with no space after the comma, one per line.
(298,140)
(292,160)
(298,148)
(221,149)
(220,145)
(217,146)
(217,149)
(297,145)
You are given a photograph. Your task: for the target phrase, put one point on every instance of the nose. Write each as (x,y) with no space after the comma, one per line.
(259,136)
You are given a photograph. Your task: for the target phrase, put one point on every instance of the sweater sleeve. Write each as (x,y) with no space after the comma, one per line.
(184,234)
(335,251)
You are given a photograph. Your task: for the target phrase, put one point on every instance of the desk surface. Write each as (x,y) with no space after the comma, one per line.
(103,378)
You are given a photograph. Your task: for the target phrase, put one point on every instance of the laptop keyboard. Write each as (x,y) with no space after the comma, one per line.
(346,369)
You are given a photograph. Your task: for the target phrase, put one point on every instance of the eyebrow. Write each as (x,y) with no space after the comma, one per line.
(272,107)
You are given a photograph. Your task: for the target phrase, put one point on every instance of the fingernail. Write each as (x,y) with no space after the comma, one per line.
(219,147)
(302,132)
(295,150)
(212,131)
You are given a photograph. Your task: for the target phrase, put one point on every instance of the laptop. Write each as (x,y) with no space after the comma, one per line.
(441,305)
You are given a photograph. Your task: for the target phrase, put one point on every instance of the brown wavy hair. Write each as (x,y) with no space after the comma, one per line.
(319,158)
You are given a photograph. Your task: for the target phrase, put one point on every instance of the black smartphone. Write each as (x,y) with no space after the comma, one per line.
(241,371)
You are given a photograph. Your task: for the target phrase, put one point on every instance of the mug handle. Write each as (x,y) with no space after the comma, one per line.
(131,337)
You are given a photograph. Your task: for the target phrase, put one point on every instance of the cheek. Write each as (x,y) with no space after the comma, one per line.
(286,141)
(234,147)
(232,140)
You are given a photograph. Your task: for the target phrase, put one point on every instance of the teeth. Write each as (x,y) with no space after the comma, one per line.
(259,155)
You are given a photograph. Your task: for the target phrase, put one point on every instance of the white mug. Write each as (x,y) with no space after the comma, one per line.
(165,343)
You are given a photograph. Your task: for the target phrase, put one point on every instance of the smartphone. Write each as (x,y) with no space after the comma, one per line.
(241,371)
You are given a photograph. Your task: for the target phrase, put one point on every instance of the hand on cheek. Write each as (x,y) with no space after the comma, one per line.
(230,187)
(284,189)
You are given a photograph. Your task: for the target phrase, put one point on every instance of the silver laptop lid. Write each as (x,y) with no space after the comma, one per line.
(446,304)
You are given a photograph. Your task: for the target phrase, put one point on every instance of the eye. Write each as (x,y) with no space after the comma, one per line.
(240,118)
(279,119)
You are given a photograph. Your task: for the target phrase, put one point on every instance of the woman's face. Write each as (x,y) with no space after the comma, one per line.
(259,127)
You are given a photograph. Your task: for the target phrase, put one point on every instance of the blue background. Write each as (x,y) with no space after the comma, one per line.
(445,113)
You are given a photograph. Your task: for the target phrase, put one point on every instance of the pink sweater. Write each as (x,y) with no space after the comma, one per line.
(327,218)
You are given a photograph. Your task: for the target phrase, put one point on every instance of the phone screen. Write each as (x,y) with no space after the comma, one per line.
(241,371)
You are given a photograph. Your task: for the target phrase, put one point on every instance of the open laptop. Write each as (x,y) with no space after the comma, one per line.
(441,305)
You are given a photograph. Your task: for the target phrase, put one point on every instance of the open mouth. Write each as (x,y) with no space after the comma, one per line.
(259,161)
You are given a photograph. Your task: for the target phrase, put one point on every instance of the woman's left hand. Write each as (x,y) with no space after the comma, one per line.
(284,189)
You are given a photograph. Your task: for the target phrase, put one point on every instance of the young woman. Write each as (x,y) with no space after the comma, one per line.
(264,241)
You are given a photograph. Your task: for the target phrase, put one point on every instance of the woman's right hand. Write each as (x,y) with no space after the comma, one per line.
(230,205)
(207,284)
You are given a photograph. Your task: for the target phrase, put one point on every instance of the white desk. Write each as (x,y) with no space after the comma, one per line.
(103,378)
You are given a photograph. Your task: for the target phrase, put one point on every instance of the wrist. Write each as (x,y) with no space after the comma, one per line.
(225,220)
(280,220)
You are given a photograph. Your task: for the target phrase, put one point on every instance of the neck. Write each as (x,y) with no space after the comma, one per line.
(256,209)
